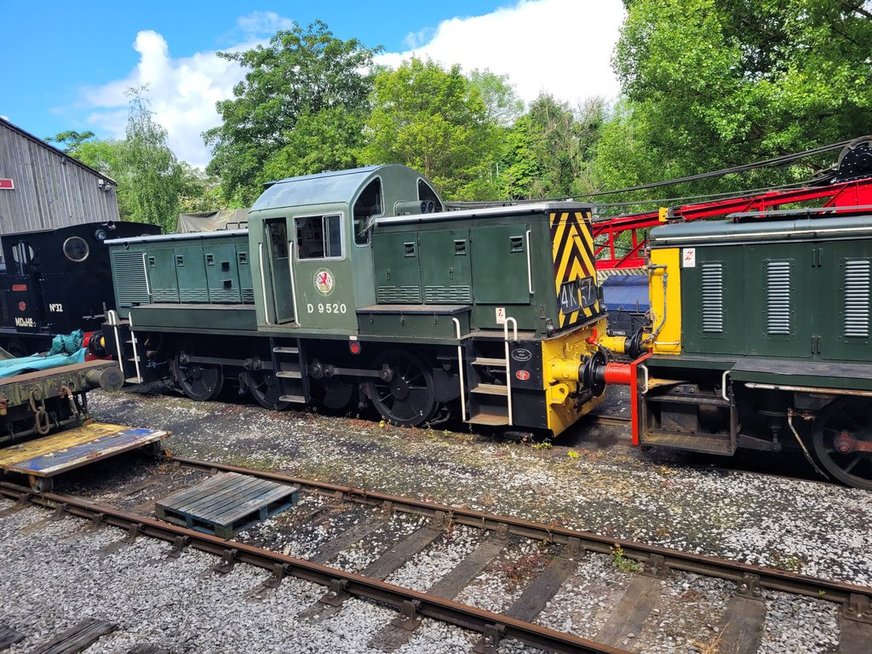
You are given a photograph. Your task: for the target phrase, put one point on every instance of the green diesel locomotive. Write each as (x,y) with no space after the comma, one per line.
(356,286)
(760,338)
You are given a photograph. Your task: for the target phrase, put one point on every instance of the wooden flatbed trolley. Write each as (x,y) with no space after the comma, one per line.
(43,459)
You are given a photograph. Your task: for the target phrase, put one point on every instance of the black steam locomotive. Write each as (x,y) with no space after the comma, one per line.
(56,281)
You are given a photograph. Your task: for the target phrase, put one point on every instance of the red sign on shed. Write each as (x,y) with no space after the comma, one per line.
(6,184)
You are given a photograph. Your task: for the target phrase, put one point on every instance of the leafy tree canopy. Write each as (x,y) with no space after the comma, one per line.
(434,121)
(549,149)
(304,77)
(714,83)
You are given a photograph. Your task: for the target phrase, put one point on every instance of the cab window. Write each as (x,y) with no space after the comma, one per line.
(427,194)
(319,237)
(368,205)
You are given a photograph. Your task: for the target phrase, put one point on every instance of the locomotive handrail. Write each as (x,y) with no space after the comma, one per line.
(145,271)
(509,362)
(263,283)
(135,353)
(724,385)
(529,265)
(460,366)
(112,317)
(293,289)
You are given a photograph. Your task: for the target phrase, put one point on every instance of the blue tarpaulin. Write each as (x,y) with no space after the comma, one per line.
(65,350)
(626,293)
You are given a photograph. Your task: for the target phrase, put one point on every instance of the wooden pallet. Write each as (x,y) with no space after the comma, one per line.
(226,503)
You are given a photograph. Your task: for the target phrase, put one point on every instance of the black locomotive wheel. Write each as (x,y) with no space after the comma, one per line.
(842,440)
(198,381)
(409,397)
(266,391)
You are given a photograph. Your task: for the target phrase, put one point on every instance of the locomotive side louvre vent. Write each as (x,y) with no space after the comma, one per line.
(130,278)
(858,274)
(398,295)
(778,297)
(460,294)
(248,296)
(712,297)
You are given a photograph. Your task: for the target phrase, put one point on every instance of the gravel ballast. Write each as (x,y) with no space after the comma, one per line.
(598,484)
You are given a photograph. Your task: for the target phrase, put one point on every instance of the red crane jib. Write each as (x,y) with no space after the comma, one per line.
(843,194)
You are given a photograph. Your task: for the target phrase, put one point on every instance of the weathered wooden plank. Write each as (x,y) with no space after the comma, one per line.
(401,552)
(854,637)
(468,569)
(76,638)
(239,492)
(331,603)
(398,632)
(329,549)
(148,649)
(632,610)
(9,637)
(263,501)
(212,483)
(742,625)
(543,587)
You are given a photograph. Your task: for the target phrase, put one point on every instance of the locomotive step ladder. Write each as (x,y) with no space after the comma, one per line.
(490,383)
(679,424)
(289,365)
(126,344)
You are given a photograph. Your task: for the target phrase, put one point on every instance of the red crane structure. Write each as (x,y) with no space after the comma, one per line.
(857,192)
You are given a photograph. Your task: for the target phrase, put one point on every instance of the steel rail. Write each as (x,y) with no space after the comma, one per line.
(745,575)
(491,625)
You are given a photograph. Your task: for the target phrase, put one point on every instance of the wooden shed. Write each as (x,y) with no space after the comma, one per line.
(41,187)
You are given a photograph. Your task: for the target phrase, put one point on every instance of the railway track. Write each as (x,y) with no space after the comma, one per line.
(651,570)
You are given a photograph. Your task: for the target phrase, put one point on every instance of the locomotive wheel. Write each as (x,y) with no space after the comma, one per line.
(842,440)
(409,397)
(266,391)
(199,381)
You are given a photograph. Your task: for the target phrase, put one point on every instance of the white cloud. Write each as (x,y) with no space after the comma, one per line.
(262,23)
(183,93)
(562,47)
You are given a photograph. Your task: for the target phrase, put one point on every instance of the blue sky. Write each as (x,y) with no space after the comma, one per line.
(68,64)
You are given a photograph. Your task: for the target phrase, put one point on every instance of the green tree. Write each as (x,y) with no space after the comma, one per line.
(549,149)
(714,83)
(434,121)
(70,139)
(499,96)
(149,169)
(304,78)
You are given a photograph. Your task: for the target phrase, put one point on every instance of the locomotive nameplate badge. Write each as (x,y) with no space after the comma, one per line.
(688,258)
(324,281)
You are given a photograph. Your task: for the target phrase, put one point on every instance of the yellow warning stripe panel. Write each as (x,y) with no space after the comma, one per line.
(572,255)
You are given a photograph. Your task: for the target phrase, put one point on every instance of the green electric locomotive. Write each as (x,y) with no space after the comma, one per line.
(356,286)
(761,338)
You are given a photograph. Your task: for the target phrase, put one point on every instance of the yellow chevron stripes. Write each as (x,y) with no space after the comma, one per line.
(572,254)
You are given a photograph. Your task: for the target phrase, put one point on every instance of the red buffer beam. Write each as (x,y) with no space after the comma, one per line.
(843,194)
